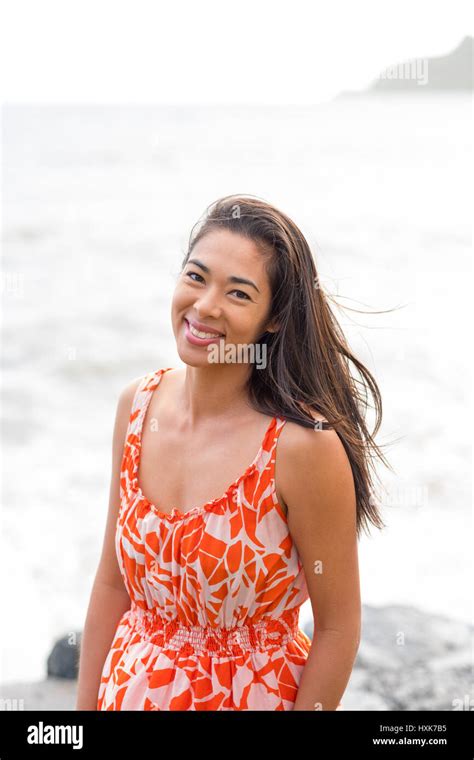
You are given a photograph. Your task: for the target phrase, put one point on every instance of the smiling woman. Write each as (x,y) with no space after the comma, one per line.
(202,599)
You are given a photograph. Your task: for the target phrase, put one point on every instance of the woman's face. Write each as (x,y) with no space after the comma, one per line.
(207,296)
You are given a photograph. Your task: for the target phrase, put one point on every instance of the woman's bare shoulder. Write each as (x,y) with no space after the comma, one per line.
(296,432)
(127,393)
(124,404)
(297,440)
(306,449)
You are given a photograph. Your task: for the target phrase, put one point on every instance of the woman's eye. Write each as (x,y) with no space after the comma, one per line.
(195,274)
(190,274)
(244,294)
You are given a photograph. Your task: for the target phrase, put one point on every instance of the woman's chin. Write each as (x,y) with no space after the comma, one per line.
(193,357)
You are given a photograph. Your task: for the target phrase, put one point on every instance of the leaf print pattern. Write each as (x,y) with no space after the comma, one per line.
(215,593)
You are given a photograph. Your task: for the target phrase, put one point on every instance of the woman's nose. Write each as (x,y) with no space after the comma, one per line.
(207,306)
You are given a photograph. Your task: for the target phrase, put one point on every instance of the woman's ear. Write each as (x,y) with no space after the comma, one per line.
(272,327)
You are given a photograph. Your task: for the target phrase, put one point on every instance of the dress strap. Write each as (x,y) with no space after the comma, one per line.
(267,449)
(142,398)
(279,425)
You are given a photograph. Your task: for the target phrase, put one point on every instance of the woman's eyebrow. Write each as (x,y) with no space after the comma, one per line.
(233,278)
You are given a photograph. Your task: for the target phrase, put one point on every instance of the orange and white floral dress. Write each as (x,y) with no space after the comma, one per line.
(215,593)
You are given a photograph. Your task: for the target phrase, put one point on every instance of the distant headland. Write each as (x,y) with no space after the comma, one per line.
(447,73)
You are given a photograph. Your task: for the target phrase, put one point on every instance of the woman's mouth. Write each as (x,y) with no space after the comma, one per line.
(198,337)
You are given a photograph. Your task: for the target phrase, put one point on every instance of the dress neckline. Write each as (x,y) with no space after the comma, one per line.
(176,513)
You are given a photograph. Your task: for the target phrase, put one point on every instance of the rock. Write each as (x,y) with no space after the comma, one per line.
(410,660)
(63,662)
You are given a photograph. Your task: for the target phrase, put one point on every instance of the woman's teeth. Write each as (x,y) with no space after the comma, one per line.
(199,334)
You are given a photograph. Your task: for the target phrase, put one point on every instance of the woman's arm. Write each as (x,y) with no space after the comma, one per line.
(109,598)
(316,483)
(106,606)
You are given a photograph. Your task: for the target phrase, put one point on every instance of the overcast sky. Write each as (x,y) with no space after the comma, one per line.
(210,51)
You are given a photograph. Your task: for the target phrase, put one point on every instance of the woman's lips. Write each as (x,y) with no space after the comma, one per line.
(195,341)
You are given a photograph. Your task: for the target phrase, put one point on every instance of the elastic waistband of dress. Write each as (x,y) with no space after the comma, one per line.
(262,635)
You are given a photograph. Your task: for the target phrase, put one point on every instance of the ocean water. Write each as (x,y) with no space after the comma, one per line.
(97,207)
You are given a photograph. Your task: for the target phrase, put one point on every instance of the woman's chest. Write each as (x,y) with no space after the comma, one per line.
(184,471)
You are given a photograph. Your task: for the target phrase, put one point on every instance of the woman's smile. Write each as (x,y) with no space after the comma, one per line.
(199,337)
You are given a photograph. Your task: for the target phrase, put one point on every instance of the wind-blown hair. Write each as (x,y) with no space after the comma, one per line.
(309,363)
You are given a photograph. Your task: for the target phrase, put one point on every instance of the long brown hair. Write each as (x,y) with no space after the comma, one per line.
(308,358)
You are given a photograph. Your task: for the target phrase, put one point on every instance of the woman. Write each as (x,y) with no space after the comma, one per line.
(196,599)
